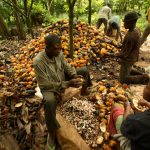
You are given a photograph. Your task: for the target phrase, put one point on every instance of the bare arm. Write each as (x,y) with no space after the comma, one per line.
(127,111)
(143,102)
(119,34)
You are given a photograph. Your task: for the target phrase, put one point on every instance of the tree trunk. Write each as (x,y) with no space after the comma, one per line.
(89,16)
(3,28)
(71,15)
(19,24)
(50,5)
(29,26)
(124,6)
(27,17)
(140,6)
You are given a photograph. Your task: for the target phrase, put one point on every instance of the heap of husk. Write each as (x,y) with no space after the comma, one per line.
(90,45)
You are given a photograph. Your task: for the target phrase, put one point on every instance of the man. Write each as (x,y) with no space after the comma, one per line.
(114,24)
(130,52)
(131,129)
(136,127)
(103,16)
(54,74)
(147,29)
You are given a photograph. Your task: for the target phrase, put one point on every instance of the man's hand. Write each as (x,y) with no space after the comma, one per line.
(76,82)
(107,54)
(143,102)
(119,45)
(112,54)
(117,55)
(77,76)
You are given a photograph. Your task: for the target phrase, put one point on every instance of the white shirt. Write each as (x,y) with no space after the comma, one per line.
(105,12)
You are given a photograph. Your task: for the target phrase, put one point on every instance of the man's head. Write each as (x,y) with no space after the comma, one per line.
(108,4)
(130,20)
(53,45)
(114,25)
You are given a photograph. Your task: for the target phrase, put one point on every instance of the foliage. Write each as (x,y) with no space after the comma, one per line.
(60,10)
(6,11)
(39,13)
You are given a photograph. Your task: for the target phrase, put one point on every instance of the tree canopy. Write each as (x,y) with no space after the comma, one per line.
(24,14)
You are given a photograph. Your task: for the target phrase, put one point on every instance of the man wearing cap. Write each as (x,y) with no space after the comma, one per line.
(53,75)
(130,52)
(114,24)
(103,16)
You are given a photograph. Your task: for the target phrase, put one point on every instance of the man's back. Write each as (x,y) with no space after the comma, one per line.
(115,19)
(105,12)
(137,129)
(130,47)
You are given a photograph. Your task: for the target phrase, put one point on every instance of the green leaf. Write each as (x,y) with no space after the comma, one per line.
(52,147)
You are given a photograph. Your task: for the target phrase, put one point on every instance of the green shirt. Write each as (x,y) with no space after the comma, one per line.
(115,19)
(50,74)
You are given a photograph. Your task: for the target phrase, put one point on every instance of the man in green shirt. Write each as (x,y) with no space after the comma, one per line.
(54,74)
(114,24)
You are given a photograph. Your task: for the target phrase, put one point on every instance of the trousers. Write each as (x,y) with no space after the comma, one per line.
(131,76)
(52,99)
(99,23)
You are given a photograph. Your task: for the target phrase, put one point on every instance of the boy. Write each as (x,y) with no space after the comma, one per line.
(130,52)
(114,24)
(103,16)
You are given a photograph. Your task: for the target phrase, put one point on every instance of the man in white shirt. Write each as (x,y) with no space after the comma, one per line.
(103,16)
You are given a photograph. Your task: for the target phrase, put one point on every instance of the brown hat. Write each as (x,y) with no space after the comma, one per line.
(131,16)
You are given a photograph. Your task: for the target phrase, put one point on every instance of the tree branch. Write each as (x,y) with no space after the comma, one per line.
(50,4)
(69,2)
(14,7)
(32,1)
(73,3)
(25,7)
